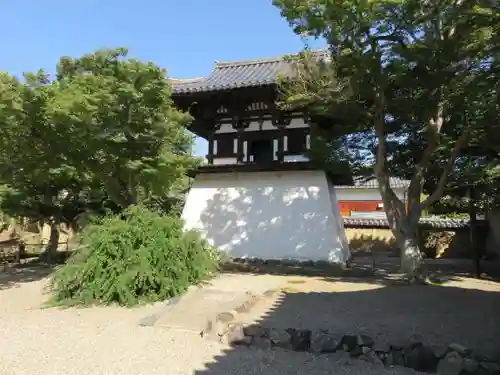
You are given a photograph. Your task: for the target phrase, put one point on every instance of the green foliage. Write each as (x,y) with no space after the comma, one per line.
(104,134)
(139,256)
(416,79)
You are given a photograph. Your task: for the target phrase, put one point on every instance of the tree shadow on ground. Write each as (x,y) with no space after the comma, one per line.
(433,315)
(378,269)
(33,269)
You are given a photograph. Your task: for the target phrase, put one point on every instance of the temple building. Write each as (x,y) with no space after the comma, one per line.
(258,196)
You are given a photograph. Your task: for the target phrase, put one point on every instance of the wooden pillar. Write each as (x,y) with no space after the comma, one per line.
(281,153)
(239,154)
(210,155)
(281,122)
(240,125)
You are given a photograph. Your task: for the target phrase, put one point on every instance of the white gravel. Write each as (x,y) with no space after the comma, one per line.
(110,341)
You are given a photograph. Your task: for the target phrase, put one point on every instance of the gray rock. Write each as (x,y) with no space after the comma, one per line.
(470,365)
(215,328)
(364,340)
(395,358)
(280,338)
(381,347)
(224,317)
(261,343)
(491,367)
(349,342)
(451,364)
(256,331)
(300,339)
(370,356)
(420,358)
(462,350)
(234,335)
(323,342)
(356,352)
(440,351)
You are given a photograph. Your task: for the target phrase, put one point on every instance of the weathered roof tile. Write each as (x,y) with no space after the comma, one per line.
(433,223)
(372,183)
(237,74)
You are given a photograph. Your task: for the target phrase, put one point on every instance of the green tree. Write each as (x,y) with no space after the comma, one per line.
(402,72)
(103,133)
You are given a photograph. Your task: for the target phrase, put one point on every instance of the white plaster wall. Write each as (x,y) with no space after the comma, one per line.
(364,194)
(269,215)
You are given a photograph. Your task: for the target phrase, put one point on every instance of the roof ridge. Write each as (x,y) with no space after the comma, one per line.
(185,80)
(225,64)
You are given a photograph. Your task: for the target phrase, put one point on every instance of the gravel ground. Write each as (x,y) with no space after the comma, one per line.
(110,341)
(463,311)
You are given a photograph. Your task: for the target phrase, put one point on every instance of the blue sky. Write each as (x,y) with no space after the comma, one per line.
(184,36)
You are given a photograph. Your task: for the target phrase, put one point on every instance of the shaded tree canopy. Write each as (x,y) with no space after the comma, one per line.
(415,79)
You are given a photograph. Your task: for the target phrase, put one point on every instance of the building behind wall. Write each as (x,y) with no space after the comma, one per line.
(362,198)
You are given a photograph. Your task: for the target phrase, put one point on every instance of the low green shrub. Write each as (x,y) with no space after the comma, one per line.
(139,256)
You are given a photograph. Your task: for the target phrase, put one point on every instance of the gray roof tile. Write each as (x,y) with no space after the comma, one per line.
(372,183)
(433,223)
(237,74)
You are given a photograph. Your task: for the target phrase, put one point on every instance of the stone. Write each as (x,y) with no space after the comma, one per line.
(463,350)
(214,329)
(300,339)
(234,335)
(420,358)
(371,356)
(470,365)
(491,367)
(261,343)
(451,364)
(224,317)
(356,352)
(280,338)
(440,351)
(256,331)
(349,342)
(381,347)
(246,306)
(271,292)
(323,342)
(395,358)
(364,340)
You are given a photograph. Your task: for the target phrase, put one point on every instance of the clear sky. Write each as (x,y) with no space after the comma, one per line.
(184,36)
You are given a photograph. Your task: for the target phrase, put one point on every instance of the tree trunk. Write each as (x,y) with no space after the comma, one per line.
(411,260)
(52,246)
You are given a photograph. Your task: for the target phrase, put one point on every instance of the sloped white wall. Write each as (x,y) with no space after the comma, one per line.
(269,215)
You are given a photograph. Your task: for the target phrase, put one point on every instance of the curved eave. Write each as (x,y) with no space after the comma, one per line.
(179,90)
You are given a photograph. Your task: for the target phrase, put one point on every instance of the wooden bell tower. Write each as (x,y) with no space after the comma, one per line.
(258,196)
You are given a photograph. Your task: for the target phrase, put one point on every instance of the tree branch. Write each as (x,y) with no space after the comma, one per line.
(438,192)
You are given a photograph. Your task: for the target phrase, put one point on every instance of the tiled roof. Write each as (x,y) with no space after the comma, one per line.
(237,74)
(372,183)
(434,223)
